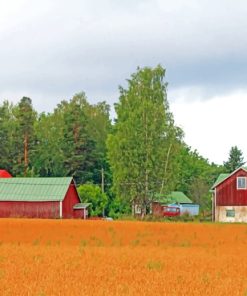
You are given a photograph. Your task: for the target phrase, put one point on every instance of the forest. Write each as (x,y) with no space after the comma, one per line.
(113,161)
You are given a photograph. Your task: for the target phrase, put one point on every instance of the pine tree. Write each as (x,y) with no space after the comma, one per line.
(26,117)
(235,159)
(79,149)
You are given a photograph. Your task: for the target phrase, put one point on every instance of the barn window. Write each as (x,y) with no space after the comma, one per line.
(241,183)
(230,213)
(138,209)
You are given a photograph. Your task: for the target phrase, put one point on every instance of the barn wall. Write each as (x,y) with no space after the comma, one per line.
(191,209)
(71,198)
(157,209)
(79,213)
(240,214)
(29,209)
(227,193)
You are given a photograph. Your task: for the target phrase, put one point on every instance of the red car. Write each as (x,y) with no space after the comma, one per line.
(169,211)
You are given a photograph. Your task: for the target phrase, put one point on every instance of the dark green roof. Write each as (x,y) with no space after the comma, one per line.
(173,197)
(34,189)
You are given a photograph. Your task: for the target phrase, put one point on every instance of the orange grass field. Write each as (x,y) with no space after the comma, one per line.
(71,257)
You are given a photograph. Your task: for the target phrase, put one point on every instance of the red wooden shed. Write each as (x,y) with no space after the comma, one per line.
(40,198)
(5,174)
(229,200)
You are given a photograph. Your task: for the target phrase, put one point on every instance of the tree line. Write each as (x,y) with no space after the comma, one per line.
(140,154)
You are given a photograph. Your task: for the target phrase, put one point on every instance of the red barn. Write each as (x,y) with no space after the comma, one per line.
(40,198)
(230,197)
(5,174)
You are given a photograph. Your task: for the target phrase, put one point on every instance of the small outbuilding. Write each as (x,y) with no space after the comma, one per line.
(5,174)
(40,198)
(80,210)
(229,200)
(176,200)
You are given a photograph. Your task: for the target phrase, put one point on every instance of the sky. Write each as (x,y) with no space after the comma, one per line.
(51,50)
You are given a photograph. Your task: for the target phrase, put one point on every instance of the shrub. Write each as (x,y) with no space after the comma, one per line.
(91,193)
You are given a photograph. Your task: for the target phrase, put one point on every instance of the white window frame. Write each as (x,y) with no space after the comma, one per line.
(138,209)
(242,188)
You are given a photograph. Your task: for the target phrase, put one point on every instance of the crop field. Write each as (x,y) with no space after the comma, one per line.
(69,257)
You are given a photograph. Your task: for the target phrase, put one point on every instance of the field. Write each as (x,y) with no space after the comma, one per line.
(68,257)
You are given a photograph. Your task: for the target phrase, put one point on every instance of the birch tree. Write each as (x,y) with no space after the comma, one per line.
(141,145)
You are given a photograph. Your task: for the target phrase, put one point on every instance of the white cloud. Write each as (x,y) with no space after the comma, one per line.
(53,49)
(212,127)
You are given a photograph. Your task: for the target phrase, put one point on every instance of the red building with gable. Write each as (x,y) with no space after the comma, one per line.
(5,174)
(40,198)
(229,200)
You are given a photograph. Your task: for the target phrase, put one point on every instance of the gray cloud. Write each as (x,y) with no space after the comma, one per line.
(53,49)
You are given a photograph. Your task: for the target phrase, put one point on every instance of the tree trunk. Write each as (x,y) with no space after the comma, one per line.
(144,211)
(25,154)
(166,165)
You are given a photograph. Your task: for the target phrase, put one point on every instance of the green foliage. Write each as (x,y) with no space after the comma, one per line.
(235,160)
(7,136)
(196,176)
(71,141)
(141,154)
(78,145)
(119,207)
(49,157)
(17,136)
(92,194)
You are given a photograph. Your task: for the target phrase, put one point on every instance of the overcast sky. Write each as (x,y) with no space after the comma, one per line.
(51,49)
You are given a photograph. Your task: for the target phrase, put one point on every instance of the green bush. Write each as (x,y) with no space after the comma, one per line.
(91,193)
(119,209)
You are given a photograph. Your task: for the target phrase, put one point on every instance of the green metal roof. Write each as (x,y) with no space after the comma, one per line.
(34,189)
(221,178)
(81,206)
(173,197)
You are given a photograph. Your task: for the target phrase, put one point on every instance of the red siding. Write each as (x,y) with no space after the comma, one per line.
(227,193)
(47,209)
(71,198)
(5,174)
(157,209)
(79,213)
